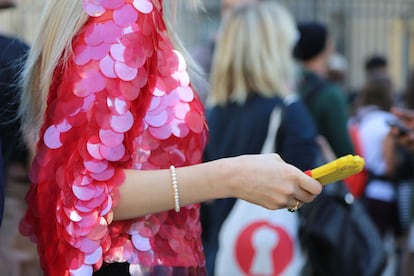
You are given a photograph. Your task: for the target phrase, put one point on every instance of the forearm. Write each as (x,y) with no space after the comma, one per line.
(263,179)
(145,192)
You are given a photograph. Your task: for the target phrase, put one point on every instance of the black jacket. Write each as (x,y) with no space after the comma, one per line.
(12,149)
(12,57)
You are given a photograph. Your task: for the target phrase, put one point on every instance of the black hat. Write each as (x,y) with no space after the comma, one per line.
(312,40)
(375,61)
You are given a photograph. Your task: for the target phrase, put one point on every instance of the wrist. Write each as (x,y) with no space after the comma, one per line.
(230,175)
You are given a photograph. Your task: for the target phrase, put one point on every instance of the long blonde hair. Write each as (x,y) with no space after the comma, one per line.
(61,21)
(253,54)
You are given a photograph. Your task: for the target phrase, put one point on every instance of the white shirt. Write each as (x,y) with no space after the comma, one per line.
(372,131)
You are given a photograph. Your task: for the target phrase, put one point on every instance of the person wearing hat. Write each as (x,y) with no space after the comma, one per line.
(326,100)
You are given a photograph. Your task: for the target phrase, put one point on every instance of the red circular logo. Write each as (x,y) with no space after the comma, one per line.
(277,248)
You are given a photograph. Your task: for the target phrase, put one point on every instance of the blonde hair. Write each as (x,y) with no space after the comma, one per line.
(253,54)
(61,21)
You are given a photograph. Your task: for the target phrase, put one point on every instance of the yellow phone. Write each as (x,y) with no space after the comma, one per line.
(338,169)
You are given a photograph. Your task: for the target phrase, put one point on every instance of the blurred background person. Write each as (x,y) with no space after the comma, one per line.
(406,186)
(337,69)
(12,55)
(3,5)
(328,104)
(326,100)
(18,256)
(338,73)
(381,162)
(253,74)
(376,64)
(2,180)
(203,55)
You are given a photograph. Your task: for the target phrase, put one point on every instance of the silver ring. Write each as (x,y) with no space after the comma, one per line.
(294,209)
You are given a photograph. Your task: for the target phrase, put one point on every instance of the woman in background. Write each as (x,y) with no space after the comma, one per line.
(379,150)
(253,76)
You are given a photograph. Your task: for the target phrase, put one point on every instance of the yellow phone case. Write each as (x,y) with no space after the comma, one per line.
(338,169)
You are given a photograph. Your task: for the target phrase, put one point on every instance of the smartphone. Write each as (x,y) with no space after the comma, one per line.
(403,130)
(338,169)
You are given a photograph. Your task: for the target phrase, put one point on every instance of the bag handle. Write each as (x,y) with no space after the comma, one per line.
(275,122)
(269,145)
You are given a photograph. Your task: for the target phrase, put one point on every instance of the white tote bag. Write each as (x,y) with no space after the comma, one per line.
(257,241)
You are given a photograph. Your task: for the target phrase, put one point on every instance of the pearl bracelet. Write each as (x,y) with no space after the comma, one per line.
(175,188)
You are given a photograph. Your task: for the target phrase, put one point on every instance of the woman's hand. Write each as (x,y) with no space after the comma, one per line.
(268,181)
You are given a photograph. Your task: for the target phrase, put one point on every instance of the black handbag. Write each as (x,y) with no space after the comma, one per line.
(339,237)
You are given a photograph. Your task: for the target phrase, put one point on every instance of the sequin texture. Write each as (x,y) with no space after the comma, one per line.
(118,104)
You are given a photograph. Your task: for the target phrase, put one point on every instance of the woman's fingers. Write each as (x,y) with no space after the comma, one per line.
(304,196)
(305,183)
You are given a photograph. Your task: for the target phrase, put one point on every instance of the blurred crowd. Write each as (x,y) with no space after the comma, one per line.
(386,192)
(262,58)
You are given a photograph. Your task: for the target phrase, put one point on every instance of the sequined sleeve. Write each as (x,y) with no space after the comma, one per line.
(94,107)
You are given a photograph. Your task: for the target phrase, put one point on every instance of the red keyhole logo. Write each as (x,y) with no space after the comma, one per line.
(282,254)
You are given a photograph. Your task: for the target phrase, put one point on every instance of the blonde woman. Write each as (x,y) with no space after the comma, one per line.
(253,76)
(120,135)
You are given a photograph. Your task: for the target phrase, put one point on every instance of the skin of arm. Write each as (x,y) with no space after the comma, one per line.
(265,180)
(389,150)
